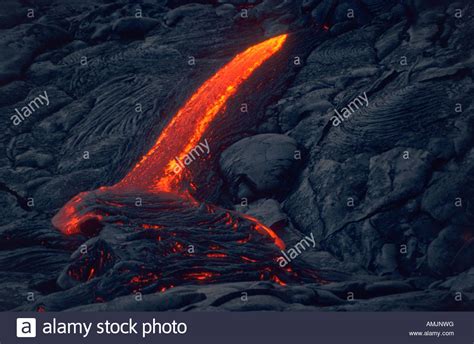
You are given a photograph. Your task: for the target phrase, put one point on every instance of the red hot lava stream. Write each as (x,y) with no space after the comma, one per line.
(158,171)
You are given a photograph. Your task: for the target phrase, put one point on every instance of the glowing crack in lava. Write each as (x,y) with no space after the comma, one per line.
(157,171)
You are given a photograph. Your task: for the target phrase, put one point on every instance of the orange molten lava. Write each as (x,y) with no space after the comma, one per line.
(158,170)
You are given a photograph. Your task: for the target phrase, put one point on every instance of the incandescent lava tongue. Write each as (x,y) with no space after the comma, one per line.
(156,171)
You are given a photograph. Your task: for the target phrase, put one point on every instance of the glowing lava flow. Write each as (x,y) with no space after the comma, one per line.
(158,170)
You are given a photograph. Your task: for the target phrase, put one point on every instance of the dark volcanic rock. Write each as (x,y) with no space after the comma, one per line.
(428,300)
(452,251)
(267,211)
(132,27)
(259,165)
(19,46)
(463,282)
(387,288)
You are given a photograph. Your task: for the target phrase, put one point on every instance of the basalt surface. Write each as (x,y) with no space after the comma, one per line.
(388,194)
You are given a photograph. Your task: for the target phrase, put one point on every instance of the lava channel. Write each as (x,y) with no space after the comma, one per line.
(157,171)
